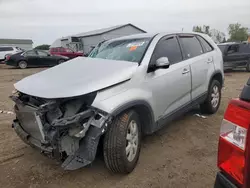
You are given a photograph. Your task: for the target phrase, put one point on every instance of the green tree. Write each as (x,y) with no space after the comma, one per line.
(237,33)
(43,47)
(202,29)
(217,36)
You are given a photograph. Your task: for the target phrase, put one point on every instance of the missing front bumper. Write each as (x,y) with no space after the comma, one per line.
(77,152)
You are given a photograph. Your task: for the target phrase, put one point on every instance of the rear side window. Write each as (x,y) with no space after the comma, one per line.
(191,46)
(206,46)
(233,49)
(5,49)
(170,48)
(244,48)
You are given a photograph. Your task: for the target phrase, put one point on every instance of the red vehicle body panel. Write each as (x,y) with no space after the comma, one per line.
(65,52)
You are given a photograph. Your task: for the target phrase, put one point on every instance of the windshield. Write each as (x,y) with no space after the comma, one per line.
(124,50)
(222,48)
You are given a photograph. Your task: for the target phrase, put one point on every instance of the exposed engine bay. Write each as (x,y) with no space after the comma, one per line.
(67,129)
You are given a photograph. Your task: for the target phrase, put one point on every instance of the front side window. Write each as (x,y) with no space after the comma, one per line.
(40,53)
(31,53)
(168,47)
(131,50)
(191,46)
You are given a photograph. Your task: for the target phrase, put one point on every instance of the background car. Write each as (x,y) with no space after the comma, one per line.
(34,58)
(8,50)
(65,52)
(234,143)
(236,55)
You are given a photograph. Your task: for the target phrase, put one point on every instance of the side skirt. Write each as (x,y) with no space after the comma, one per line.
(180,111)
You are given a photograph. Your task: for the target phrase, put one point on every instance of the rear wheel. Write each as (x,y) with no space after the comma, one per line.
(212,103)
(122,143)
(22,64)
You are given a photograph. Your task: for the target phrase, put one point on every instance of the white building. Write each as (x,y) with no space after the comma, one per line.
(85,41)
(25,44)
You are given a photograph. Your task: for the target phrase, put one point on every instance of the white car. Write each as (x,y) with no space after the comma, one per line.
(8,50)
(126,88)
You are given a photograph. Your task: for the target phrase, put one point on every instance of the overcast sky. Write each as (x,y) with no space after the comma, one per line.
(46,20)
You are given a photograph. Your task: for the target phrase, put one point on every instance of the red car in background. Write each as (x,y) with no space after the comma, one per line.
(234,143)
(65,52)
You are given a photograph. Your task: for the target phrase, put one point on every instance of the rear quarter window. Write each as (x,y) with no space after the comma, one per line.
(206,46)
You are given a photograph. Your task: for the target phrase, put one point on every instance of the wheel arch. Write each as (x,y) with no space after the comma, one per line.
(217,75)
(144,111)
(20,60)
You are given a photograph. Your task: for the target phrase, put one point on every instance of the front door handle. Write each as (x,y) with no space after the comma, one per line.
(185,71)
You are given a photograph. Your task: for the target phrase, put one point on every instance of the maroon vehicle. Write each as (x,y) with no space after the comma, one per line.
(65,52)
(234,144)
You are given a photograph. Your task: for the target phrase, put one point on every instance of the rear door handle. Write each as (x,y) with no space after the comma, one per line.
(185,71)
(210,60)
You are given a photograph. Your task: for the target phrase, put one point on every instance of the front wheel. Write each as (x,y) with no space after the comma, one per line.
(212,102)
(122,143)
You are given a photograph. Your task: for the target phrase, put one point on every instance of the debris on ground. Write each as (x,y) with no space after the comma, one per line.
(6,112)
(201,116)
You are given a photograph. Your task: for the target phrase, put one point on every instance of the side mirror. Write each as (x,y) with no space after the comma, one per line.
(162,63)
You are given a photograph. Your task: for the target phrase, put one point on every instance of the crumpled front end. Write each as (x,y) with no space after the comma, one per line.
(66,129)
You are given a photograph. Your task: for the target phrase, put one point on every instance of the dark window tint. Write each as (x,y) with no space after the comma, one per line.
(233,49)
(222,48)
(191,45)
(31,53)
(168,47)
(244,48)
(41,53)
(206,46)
(4,49)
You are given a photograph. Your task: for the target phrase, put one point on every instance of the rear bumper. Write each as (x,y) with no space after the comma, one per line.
(223,182)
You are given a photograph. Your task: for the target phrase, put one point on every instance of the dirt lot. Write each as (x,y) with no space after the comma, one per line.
(183,154)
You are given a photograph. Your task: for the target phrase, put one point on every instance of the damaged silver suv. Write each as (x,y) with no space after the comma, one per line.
(126,88)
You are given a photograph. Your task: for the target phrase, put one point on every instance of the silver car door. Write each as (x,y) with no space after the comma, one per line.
(170,87)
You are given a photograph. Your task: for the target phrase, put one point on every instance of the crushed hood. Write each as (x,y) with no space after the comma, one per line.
(76,77)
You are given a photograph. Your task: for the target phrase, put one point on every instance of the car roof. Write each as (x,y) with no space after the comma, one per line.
(151,35)
(228,43)
(8,46)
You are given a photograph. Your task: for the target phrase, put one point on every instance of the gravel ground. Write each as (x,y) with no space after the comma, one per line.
(183,154)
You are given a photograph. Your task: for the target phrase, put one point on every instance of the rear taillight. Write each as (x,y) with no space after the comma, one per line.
(232,141)
(7,57)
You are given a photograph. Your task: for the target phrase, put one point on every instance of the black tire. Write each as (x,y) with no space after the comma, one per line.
(115,143)
(207,107)
(22,64)
(248,66)
(61,61)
